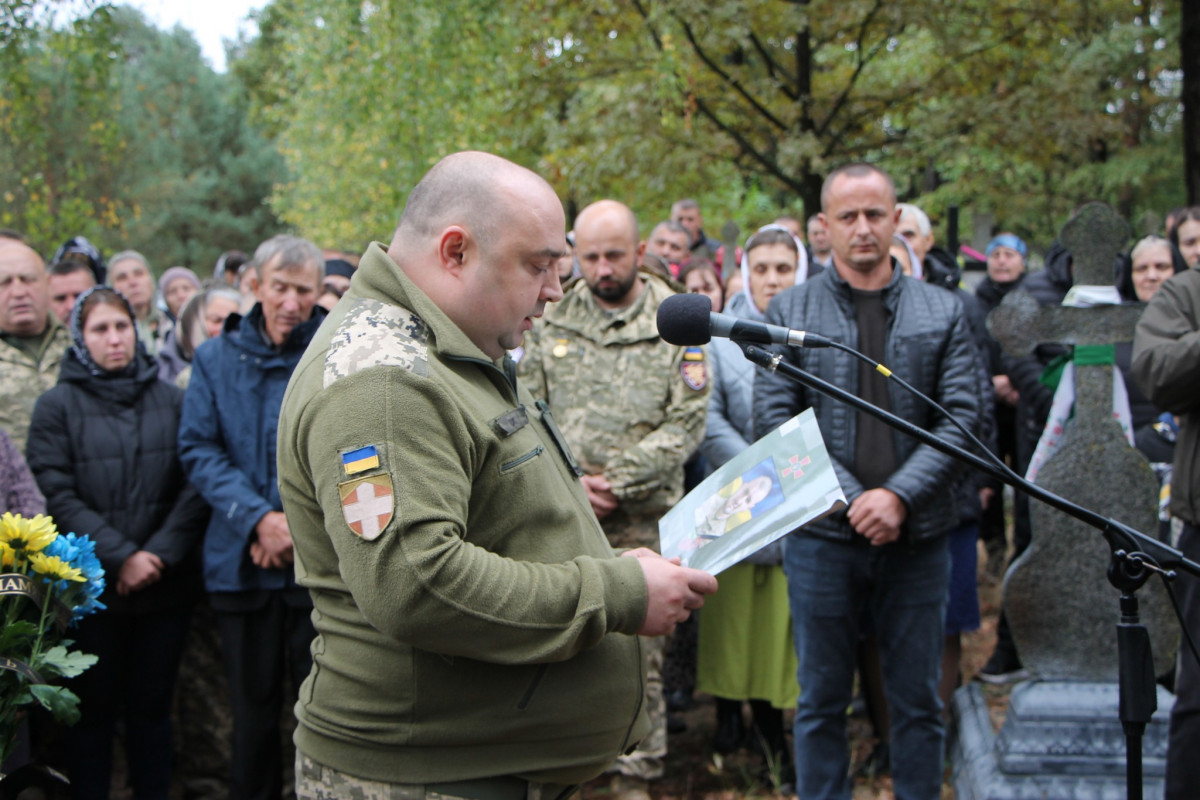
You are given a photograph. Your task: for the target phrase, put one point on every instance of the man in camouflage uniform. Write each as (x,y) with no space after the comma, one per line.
(32,342)
(630,405)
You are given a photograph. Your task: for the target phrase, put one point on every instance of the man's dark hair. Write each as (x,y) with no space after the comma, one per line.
(15,235)
(229,263)
(858,169)
(67,266)
(1189,214)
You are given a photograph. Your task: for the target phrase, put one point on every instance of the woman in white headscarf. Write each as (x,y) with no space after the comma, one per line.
(745,649)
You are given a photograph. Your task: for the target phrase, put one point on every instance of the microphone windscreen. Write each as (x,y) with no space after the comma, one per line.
(683,319)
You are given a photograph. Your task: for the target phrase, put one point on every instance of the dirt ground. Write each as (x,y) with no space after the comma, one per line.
(694,772)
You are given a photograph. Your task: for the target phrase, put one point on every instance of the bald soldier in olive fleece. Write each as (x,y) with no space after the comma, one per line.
(475,630)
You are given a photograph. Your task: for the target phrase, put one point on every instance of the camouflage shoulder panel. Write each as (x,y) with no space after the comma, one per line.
(570,312)
(375,334)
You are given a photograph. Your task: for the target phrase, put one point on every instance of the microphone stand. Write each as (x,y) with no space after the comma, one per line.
(1134,557)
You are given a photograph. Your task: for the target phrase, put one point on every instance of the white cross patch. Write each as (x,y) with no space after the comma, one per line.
(367,505)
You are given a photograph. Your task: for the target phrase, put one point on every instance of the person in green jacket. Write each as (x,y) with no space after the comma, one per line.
(476,635)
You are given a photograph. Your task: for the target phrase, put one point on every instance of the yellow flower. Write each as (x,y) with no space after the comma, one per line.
(55,567)
(8,556)
(29,535)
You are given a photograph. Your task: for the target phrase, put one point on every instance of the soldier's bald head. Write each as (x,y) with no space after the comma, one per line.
(606,245)
(24,289)
(611,213)
(473,189)
(16,249)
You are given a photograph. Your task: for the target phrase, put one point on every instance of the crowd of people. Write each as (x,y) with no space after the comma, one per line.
(412,499)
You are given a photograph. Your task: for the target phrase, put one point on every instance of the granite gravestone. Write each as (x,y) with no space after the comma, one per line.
(1060,605)
(729,238)
(1062,736)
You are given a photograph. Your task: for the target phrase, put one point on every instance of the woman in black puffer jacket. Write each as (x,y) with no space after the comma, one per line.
(102,447)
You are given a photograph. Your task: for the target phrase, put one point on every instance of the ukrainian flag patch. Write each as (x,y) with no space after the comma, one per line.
(360,460)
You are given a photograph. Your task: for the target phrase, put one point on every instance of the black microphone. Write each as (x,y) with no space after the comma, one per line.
(688,320)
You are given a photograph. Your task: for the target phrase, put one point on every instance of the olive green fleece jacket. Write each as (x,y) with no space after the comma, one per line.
(474,622)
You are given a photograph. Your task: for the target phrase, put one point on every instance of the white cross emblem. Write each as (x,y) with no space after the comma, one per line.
(367,505)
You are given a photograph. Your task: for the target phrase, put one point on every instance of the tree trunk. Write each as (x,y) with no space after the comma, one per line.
(1189,62)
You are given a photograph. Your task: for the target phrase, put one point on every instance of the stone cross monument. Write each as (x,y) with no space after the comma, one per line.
(1062,735)
(1060,605)
(729,237)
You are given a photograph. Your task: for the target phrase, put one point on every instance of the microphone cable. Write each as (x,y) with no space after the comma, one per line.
(887,373)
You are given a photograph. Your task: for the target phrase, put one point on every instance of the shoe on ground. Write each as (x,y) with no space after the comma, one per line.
(679,700)
(879,762)
(731,731)
(1003,667)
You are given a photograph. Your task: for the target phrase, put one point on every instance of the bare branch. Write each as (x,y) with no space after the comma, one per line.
(747,148)
(823,128)
(733,82)
(775,70)
(637,5)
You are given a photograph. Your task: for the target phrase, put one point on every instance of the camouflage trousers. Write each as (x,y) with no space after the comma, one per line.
(315,781)
(203,717)
(647,761)
(625,532)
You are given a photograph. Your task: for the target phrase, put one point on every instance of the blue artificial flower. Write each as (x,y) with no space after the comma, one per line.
(80,553)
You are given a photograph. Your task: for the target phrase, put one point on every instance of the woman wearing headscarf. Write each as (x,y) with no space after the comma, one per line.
(745,648)
(102,446)
(1006,254)
(177,286)
(1139,276)
(200,319)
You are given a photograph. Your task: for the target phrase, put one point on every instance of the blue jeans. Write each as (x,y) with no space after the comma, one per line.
(904,589)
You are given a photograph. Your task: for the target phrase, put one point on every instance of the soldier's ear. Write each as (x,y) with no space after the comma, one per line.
(453,246)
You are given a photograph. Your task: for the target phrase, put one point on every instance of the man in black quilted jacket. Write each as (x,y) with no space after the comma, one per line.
(884,559)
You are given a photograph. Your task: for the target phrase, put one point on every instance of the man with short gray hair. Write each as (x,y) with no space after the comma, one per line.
(227,445)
